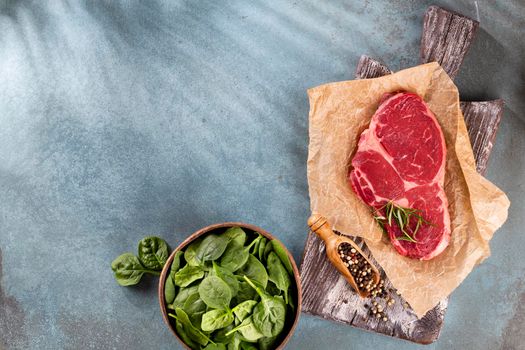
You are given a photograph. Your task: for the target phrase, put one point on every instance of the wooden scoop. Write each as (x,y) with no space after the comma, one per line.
(321,227)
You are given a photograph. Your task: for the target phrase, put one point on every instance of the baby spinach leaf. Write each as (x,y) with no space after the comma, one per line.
(195,308)
(183,295)
(248,346)
(190,254)
(212,247)
(283,256)
(255,270)
(216,319)
(255,244)
(128,270)
(244,309)
(267,343)
(227,276)
(193,332)
(184,336)
(235,344)
(220,335)
(278,274)
(153,252)
(269,314)
(247,330)
(176,264)
(212,346)
(245,292)
(272,289)
(187,275)
(215,292)
(262,246)
(267,249)
(169,290)
(234,257)
(236,234)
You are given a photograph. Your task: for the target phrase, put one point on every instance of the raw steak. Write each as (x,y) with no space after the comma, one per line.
(401,158)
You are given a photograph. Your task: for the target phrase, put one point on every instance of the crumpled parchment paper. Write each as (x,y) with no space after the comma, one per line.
(339,112)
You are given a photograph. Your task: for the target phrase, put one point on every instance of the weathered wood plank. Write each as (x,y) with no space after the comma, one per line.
(446,38)
(482,119)
(369,68)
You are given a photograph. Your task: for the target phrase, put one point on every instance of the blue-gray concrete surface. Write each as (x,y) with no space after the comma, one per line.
(121,119)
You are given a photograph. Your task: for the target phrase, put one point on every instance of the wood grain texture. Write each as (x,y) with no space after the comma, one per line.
(369,68)
(325,291)
(446,38)
(482,119)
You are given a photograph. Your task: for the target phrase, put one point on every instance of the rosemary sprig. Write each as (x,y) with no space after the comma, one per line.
(402,216)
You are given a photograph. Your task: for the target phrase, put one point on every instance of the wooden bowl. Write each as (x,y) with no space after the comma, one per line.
(207,230)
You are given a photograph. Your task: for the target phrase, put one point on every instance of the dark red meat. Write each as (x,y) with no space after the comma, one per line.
(401,158)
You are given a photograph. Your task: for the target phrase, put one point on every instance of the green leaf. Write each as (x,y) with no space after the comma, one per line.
(227,276)
(215,292)
(248,346)
(262,247)
(278,274)
(193,332)
(183,295)
(190,254)
(176,264)
(212,346)
(244,309)
(283,256)
(248,330)
(212,247)
(169,290)
(267,343)
(236,234)
(153,252)
(234,257)
(269,314)
(195,308)
(128,270)
(187,275)
(255,270)
(184,336)
(245,292)
(216,319)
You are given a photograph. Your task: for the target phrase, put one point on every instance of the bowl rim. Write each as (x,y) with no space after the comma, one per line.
(207,229)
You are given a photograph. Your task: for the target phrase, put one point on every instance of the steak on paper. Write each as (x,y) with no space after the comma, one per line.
(401,159)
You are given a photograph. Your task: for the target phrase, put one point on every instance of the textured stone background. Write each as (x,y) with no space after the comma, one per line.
(121,119)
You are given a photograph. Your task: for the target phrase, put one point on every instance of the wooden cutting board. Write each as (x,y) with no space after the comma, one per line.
(446,39)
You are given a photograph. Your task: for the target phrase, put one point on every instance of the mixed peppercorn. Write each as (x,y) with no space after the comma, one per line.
(363,275)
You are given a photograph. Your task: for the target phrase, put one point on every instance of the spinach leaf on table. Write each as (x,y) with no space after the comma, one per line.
(278,274)
(255,270)
(283,256)
(227,276)
(128,270)
(187,275)
(236,234)
(216,319)
(212,247)
(215,292)
(269,314)
(153,252)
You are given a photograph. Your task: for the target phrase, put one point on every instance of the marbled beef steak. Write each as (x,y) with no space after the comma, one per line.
(400,159)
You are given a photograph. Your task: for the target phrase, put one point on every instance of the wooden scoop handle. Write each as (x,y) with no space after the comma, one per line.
(319,225)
